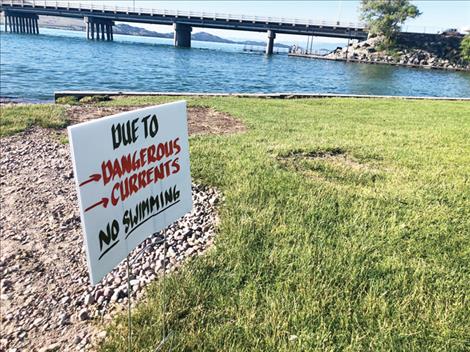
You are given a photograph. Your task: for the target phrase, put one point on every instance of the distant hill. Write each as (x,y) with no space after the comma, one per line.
(257,43)
(73,24)
(207,37)
(126,29)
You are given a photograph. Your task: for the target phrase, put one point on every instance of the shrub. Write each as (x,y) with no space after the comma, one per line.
(70,100)
(385,17)
(93,99)
(465,48)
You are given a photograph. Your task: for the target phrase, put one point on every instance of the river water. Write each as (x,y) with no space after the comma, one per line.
(33,67)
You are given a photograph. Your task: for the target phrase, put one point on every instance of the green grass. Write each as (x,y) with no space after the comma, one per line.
(68,100)
(365,250)
(329,255)
(142,101)
(17,118)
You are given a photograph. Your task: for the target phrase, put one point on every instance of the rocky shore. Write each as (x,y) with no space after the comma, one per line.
(421,50)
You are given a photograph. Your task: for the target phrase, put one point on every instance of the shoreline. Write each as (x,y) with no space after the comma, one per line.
(359,61)
(285,95)
(32,101)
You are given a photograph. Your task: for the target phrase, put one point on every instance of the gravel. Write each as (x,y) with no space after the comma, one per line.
(46,299)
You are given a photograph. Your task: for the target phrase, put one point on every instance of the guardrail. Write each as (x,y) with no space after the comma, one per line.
(423,29)
(67,5)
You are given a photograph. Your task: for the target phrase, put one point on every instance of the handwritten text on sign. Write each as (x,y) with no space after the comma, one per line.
(133,179)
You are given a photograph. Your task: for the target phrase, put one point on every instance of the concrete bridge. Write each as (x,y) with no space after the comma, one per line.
(21,17)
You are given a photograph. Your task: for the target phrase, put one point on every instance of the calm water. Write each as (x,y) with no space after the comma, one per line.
(33,67)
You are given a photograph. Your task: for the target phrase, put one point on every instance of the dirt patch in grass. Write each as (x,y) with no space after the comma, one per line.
(208,121)
(201,120)
(333,164)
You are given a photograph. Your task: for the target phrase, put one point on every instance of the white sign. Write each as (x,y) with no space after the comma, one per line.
(133,179)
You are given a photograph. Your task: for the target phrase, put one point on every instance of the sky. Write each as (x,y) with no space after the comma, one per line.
(436,15)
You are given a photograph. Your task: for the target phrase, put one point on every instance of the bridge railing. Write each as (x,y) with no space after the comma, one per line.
(69,5)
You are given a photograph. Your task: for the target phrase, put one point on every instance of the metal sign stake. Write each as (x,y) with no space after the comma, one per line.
(165,249)
(129,317)
(165,336)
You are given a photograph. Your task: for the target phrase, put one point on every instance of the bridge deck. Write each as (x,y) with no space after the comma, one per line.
(196,19)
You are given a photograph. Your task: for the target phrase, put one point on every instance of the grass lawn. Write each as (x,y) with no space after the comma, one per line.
(345,227)
(17,118)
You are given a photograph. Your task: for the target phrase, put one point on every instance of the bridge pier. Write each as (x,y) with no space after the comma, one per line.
(270,44)
(182,35)
(13,24)
(99,28)
(19,22)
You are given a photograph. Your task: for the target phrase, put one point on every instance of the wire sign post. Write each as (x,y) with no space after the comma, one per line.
(133,179)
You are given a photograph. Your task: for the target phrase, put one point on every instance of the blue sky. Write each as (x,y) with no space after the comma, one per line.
(437,15)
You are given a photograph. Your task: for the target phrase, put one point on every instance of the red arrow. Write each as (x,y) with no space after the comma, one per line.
(103,201)
(93,178)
